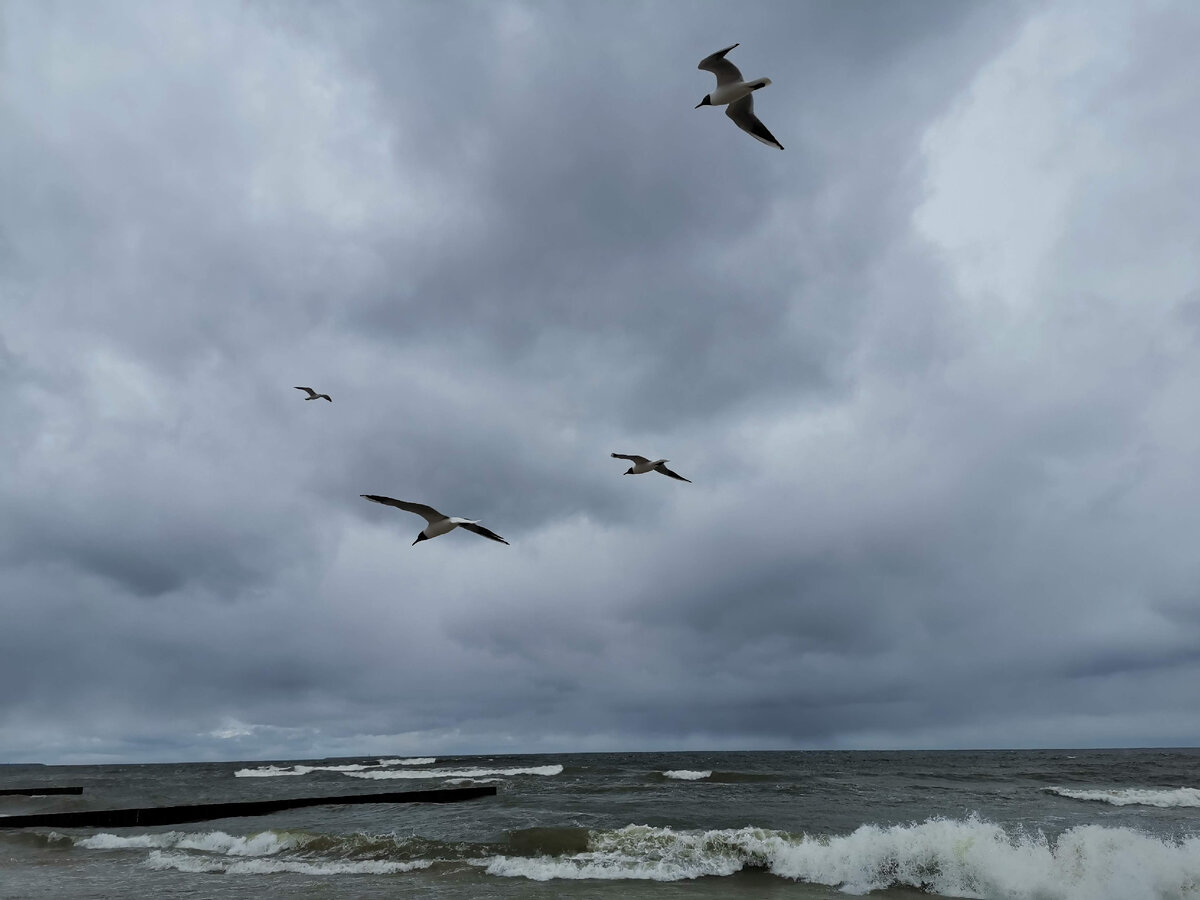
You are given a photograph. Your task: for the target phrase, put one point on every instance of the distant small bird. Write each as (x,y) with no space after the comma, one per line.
(732,90)
(438,523)
(313,395)
(641,466)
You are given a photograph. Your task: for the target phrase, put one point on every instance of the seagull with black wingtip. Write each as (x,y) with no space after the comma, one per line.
(439,524)
(738,94)
(313,395)
(641,466)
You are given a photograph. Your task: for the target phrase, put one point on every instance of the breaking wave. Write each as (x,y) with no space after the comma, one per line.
(686,774)
(1161,797)
(270,852)
(381,774)
(264,843)
(961,858)
(184,862)
(275,771)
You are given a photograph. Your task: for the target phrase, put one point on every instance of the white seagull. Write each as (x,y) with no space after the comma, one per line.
(641,466)
(313,395)
(438,523)
(738,94)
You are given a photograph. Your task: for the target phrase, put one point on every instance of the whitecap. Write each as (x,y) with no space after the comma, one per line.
(266,772)
(1160,797)
(381,774)
(687,774)
(274,771)
(412,761)
(961,858)
(186,862)
(263,843)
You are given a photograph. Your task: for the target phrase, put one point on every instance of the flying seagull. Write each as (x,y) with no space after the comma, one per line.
(313,395)
(641,466)
(438,524)
(732,90)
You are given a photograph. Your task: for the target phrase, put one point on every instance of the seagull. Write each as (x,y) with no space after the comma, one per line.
(438,523)
(313,395)
(641,466)
(732,90)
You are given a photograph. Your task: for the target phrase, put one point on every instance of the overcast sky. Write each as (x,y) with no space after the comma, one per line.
(934,371)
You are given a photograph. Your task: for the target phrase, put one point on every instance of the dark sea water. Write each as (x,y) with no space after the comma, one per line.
(1085,825)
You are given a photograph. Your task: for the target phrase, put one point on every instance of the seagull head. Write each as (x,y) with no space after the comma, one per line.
(705,102)
(420,537)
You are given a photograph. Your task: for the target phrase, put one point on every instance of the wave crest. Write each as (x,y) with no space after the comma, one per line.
(264,843)
(382,774)
(1164,798)
(963,858)
(185,862)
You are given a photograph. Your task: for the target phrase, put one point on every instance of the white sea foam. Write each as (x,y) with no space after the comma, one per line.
(381,774)
(273,771)
(264,843)
(186,862)
(960,858)
(1161,797)
(687,774)
(266,772)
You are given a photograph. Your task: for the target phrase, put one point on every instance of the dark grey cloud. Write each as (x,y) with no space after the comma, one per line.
(930,369)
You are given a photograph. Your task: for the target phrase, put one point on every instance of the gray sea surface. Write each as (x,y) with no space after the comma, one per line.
(1072,824)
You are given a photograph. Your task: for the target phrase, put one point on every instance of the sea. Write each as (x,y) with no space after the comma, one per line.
(1045,824)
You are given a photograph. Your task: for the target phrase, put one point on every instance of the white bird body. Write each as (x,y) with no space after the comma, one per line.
(641,468)
(735,90)
(642,465)
(313,395)
(736,94)
(439,524)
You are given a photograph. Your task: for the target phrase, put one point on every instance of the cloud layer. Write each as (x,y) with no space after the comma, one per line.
(931,369)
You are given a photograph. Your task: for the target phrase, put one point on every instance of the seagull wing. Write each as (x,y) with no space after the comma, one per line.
(430,514)
(632,457)
(480,530)
(311,392)
(742,113)
(662,468)
(326,396)
(726,72)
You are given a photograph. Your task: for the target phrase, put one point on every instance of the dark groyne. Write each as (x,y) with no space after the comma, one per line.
(176,815)
(40,791)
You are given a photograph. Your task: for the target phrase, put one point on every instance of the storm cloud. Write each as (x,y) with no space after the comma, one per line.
(932,371)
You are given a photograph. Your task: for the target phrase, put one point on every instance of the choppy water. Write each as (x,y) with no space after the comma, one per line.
(1083,825)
